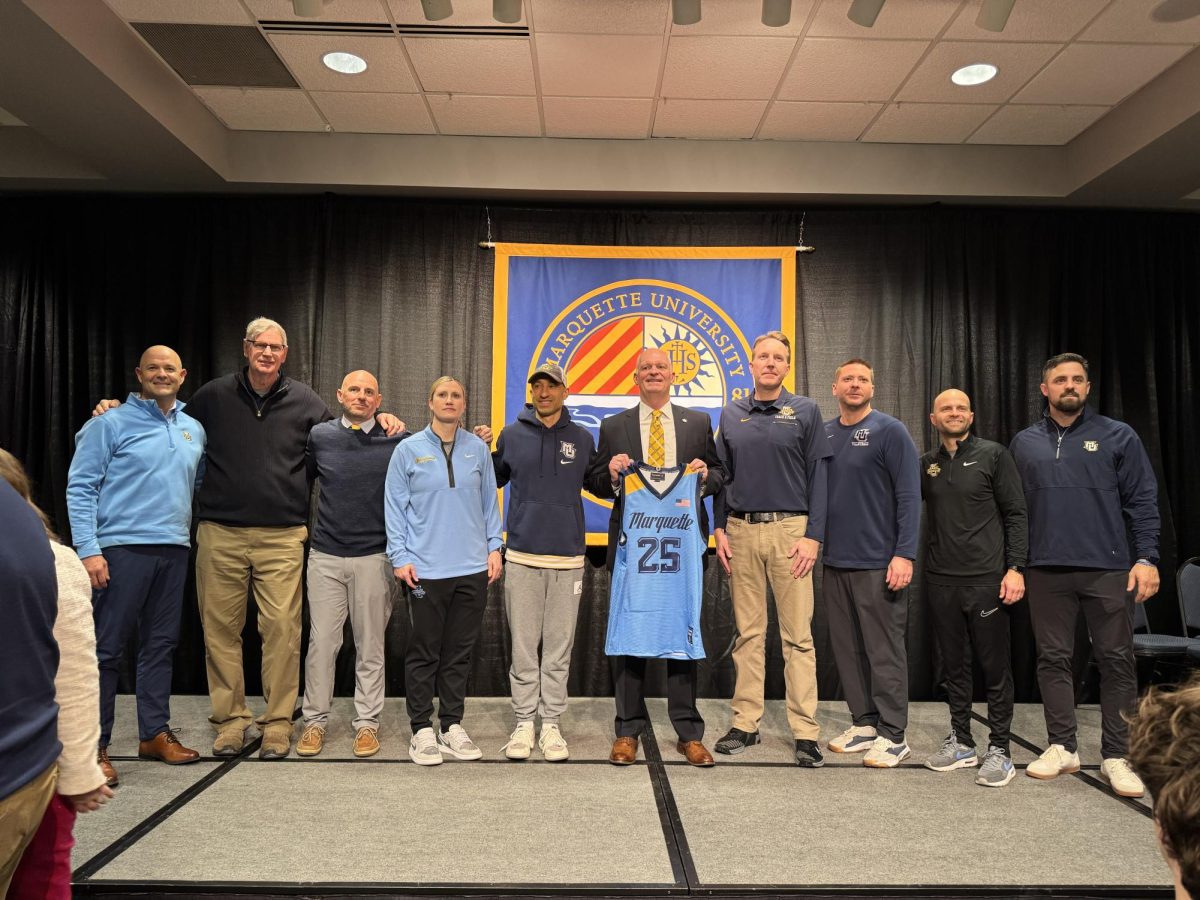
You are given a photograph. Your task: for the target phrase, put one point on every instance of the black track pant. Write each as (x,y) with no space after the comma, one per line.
(446,616)
(967,617)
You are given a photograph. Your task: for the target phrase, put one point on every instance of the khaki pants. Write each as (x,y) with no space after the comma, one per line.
(228,562)
(20,815)
(760,557)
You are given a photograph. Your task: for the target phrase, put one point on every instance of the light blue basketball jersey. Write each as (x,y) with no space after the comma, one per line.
(658,577)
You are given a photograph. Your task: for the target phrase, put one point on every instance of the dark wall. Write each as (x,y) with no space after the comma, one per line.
(934,297)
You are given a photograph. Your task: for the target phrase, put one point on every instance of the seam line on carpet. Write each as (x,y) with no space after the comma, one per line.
(682,865)
(1085,777)
(148,824)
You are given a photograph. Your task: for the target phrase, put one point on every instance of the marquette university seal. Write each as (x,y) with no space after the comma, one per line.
(597,337)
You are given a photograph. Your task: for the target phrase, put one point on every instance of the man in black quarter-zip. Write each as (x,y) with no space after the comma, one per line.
(1089,487)
(974,562)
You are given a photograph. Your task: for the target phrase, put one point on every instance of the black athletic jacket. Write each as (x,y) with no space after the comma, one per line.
(975,513)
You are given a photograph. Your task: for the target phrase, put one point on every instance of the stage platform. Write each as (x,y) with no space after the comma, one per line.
(755,824)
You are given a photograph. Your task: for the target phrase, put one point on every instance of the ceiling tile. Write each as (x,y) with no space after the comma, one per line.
(1036,21)
(598,65)
(198,12)
(505,116)
(374,113)
(708,119)
(817,121)
(849,70)
(257,109)
(483,66)
(930,81)
(898,19)
(1043,125)
(927,123)
(1098,74)
(726,68)
(597,117)
(335,11)
(744,17)
(386,71)
(466,12)
(610,17)
(1134,22)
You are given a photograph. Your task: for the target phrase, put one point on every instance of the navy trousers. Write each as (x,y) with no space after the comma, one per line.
(144,597)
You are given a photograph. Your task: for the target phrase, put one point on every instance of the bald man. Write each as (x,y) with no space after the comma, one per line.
(974,565)
(348,569)
(129,498)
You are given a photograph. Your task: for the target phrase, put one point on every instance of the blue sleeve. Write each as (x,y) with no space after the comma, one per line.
(1139,497)
(720,510)
(905,467)
(395,504)
(491,508)
(94,448)
(500,466)
(816,457)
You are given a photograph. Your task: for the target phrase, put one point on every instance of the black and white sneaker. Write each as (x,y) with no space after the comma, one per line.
(736,741)
(808,755)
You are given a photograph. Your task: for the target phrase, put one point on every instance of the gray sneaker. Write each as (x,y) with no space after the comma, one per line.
(455,741)
(953,755)
(423,749)
(997,769)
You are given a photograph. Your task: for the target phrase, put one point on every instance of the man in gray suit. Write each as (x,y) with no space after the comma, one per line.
(661,434)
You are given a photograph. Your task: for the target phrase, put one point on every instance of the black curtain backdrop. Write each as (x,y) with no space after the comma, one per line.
(933,296)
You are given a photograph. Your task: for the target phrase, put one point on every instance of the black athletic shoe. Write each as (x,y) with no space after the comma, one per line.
(808,755)
(735,741)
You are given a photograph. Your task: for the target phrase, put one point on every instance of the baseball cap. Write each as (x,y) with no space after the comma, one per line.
(553,371)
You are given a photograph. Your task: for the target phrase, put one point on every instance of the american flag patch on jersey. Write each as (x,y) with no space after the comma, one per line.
(683,501)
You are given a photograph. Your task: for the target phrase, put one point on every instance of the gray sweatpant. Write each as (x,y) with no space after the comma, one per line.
(542,606)
(867,625)
(360,586)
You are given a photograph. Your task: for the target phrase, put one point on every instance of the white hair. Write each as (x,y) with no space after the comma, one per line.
(261,324)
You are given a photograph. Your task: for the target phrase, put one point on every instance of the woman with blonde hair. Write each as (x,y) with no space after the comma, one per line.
(443,529)
(45,867)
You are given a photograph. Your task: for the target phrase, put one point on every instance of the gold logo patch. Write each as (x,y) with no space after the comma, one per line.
(424,459)
(187,436)
(934,470)
(1091,446)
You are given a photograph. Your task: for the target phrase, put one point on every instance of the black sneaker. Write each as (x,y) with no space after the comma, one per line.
(735,741)
(808,755)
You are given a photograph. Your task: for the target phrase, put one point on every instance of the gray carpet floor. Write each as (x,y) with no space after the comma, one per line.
(754,820)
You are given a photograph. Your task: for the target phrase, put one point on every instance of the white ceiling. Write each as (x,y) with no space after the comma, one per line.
(820,89)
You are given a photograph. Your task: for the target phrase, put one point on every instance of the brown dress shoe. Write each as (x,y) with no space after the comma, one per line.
(110,773)
(166,747)
(624,751)
(366,742)
(696,753)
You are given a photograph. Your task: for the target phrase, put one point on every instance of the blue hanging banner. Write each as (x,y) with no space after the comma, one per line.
(592,309)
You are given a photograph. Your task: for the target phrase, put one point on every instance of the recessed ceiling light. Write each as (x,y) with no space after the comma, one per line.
(976,74)
(346,63)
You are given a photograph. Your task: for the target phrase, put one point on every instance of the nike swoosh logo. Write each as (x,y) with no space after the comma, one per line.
(469,455)
(565,462)
(969,464)
(747,419)
(984,615)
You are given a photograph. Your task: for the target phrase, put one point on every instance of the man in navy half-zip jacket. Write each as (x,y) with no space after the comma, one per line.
(253,511)
(1088,485)
(974,565)
(544,458)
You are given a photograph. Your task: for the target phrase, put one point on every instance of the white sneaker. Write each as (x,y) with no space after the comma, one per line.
(554,747)
(885,754)
(520,742)
(1054,762)
(854,739)
(455,741)
(423,750)
(1122,779)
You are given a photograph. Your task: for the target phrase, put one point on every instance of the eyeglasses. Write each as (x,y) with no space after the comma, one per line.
(263,347)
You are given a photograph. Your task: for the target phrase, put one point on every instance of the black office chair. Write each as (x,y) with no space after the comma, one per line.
(1176,650)
(1187,586)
